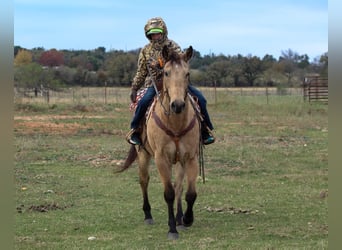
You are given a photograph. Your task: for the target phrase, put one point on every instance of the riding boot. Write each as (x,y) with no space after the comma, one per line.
(207,137)
(133,137)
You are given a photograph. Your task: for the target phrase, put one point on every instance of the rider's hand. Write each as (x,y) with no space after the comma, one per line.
(133,95)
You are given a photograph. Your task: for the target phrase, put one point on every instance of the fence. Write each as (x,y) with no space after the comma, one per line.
(315,89)
(108,95)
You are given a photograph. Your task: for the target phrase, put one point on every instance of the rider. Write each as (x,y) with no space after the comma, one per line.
(149,70)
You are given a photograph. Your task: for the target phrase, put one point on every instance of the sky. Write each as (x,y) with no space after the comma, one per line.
(228,27)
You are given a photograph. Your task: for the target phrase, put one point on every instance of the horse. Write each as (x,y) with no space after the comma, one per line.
(172,138)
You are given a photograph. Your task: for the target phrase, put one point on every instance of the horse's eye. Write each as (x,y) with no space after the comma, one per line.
(166,73)
(187,75)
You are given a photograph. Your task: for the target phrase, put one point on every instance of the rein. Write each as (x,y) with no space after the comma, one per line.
(175,136)
(156,90)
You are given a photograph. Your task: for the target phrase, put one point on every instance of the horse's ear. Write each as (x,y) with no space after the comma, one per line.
(188,53)
(165,53)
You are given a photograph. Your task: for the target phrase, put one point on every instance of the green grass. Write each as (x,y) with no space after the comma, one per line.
(266,180)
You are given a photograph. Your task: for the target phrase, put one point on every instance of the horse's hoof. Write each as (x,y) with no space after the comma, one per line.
(172,236)
(187,223)
(181,227)
(149,221)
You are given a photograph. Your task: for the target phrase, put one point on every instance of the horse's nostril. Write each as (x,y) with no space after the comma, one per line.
(177,106)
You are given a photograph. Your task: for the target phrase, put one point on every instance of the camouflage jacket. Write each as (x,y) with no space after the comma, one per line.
(150,63)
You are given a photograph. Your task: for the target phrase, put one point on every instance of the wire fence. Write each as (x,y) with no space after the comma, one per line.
(110,95)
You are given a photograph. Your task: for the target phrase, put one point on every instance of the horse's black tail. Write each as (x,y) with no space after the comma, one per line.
(131,157)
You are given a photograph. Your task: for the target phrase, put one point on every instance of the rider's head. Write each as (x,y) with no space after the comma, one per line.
(155,29)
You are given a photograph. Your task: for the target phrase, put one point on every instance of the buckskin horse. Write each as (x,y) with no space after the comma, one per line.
(172,136)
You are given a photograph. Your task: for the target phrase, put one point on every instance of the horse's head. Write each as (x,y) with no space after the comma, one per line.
(176,77)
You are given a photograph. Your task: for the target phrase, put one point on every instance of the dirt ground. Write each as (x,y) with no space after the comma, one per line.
(48,124)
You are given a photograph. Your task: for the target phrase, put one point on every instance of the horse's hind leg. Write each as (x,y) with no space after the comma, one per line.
(144,178)
(190,196)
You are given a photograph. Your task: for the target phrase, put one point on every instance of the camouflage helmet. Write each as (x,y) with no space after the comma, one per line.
(155,25)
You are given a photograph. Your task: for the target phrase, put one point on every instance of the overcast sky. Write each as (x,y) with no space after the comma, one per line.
(227,27)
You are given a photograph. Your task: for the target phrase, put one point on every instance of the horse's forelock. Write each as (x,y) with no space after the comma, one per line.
(174,57)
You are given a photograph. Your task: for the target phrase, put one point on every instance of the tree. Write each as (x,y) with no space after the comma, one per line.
(303,61)
(80,60)
(65,74)
(17,49)
(79,76)
(252,69)
(217,72)
(121,67)
(118,67)
(100,50)
(23,57)
(235,69)
(102,77)
(268,61)
(37,53)
(323,60)
(196,60)
(287,63)
(28,75)
(51,58)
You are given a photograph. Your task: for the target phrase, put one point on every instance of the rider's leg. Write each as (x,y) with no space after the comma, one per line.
(145,101)
(207,126)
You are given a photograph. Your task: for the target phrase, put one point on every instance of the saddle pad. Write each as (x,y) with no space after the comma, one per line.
(140,94)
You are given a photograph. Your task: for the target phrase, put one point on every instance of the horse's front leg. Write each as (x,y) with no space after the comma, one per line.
(179,178)
(144,179)
(191,194)
(169,195)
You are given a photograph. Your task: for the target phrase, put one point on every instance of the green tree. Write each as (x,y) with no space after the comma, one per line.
(323,62)
(121,67)
(37,53)
(218,72)
(236,69)
(65,74)
(253,67)
(79,76)
(27,75)
(303,61)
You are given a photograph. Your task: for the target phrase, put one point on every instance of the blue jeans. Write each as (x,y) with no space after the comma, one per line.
(142,107)
(203,105)
(147,99)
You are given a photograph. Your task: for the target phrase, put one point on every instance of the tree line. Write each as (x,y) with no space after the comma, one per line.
(37,67)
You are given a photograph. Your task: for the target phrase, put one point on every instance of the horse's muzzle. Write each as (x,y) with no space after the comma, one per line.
(177,106)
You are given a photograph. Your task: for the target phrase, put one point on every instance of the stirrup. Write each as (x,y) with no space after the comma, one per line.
(209,140)
(208,137)
(130,137)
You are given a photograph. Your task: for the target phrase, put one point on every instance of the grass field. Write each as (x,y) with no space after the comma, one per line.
(266,179)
